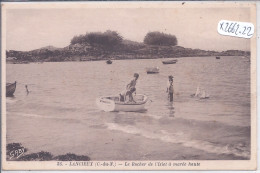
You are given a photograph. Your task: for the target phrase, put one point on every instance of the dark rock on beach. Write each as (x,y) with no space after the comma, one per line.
(72,157)
(13,154)
(40,156)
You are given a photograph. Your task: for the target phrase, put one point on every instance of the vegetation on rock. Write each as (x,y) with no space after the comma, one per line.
(160,39)
(107,39)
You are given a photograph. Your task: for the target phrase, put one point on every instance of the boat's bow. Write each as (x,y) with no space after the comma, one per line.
(106,103)
(10,89)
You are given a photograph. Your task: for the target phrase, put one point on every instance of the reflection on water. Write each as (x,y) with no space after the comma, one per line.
(60,115)
(171,109)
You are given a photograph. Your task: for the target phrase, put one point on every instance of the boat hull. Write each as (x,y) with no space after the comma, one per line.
(111,104)
(129,107)
(152,70)
(109,62)
(169,62)
(10,89)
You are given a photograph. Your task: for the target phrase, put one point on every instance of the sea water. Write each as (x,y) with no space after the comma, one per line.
(59,115)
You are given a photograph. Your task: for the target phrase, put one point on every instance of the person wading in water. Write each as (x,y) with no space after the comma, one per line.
(170,89)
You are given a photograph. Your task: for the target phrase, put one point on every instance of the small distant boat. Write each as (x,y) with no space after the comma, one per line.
(112,103)
(217,57)
(152,70)
(10,89)
(109,61)
(170,61)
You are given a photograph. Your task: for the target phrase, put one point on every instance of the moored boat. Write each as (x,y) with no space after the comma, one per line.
(109,61)
(170,61)
(10,89)
(112,103)
(217,57)
(152,70)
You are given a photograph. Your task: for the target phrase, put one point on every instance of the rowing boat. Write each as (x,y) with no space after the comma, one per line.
(152,70)
(109,61)
(10,89)
(170,61)
(112,103)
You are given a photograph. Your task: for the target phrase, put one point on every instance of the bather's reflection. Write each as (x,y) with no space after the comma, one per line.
(170,106)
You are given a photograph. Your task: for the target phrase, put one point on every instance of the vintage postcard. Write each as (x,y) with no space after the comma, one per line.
(129,86)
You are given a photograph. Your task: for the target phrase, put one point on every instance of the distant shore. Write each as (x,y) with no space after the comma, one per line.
(78,60)
(83,52)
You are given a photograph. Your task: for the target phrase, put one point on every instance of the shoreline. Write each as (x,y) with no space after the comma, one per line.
(113,59)
(85,52)
(17,152)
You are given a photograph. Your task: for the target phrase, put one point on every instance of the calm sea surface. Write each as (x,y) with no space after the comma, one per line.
(60,116)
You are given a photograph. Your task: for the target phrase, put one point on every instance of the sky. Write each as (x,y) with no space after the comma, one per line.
(29,29)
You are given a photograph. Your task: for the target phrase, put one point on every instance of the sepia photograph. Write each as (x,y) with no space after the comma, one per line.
(129,86)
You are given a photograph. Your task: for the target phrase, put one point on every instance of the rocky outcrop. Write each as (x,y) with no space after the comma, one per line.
(127,50)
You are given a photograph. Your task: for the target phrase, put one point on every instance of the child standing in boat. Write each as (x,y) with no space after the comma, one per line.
(132,83)
(130,88)
(170,89)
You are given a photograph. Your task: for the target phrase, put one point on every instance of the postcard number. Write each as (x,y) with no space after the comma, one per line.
(236,29)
